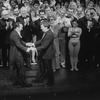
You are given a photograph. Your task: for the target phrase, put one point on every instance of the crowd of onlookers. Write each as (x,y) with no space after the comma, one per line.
(62,16)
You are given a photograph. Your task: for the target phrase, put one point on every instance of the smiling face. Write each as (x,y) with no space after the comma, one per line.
(13,4)
(74,24)
(52,21)
(5,14)
(87,15)
(24,12)
(42,14)
(46,3)
(30,1)
(20,27)
(58,6)
(43,28)
(36,6)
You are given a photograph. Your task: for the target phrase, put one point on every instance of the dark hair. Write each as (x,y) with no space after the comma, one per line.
(64,29)
(15,1)
(17,24)
(42,11)
(45,23)
(74,20)
(53,8)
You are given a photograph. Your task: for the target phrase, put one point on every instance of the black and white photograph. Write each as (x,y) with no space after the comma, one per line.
(50,49)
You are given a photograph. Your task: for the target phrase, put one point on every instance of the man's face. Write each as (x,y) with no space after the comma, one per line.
(48,10)
(62,14)
(79,12)
(52,21)
(58,6)
(46,3)
(74,24)
(24,13)
(30,1)
(43,28)
(13,3)
(42,15)
(36,6)
(87,16)
(20,27)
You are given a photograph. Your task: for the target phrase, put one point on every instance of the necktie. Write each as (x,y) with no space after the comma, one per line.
(43,35)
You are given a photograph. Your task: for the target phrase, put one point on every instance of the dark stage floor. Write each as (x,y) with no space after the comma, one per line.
(81,85)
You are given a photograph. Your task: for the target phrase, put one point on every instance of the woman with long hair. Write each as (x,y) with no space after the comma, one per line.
(74,33)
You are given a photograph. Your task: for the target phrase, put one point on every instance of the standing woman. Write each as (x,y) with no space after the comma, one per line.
(74,33)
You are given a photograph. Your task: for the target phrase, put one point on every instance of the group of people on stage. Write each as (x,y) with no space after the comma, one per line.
(48,33)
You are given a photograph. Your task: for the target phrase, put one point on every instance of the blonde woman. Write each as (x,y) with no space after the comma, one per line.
(74,33)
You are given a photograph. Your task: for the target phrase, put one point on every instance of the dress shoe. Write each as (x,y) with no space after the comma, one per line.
(26,85)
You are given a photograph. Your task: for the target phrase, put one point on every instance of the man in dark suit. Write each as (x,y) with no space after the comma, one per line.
(88,25)
(37,28)
(16,58)
(27,32)
(46,54)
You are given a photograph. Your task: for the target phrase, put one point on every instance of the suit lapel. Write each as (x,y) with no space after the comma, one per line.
(44,36)
(18,34)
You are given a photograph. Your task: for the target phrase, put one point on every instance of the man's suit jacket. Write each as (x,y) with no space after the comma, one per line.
(16,48)
(37,29)
(5,33)
(45,46)
(2,31)
(83,24)
(27,31)
(86,35)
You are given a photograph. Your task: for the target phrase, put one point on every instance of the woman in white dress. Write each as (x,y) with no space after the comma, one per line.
(74,33)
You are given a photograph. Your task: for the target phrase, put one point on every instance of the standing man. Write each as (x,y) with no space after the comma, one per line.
(26,33)
(88,25)
(46,54)
(16,58)
(37,29)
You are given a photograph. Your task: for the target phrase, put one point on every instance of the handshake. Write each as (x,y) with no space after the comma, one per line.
(29,44)
(31,47)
